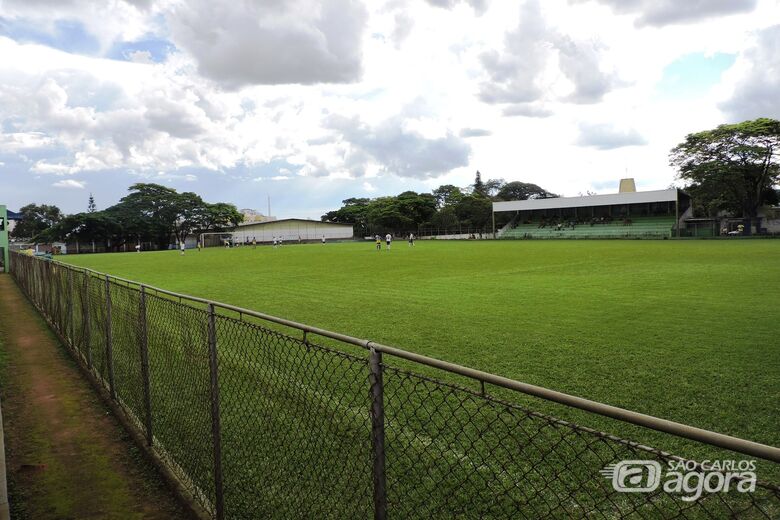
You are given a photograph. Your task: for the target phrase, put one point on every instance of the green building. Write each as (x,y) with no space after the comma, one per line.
(4,254)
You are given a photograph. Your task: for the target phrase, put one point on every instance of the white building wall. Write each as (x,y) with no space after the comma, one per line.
(292,230)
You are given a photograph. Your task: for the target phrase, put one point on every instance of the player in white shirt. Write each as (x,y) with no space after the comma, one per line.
(388,239)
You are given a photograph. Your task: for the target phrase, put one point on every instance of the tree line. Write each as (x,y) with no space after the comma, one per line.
(731,170)
(448,207)
(150,213)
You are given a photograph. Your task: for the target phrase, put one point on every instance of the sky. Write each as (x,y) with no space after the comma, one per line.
(311,102)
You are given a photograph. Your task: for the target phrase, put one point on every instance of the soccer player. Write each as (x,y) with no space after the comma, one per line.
(323,240)
(254,243)
(388,239)
(378,243)
(411,239)
(182,247)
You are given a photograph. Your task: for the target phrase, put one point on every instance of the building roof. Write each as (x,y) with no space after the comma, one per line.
(611,199)
(307,221)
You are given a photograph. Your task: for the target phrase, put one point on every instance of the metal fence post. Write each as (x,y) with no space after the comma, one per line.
(216,433)
(87,322)
(145,365)
(70,332)
(109,343)
(378,433)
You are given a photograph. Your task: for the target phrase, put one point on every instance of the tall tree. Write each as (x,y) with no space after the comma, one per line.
(479,188)
(447,195)
(35,220)
(732,168)
(91,204)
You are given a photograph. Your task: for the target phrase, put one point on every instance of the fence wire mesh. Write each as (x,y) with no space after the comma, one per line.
(258,422)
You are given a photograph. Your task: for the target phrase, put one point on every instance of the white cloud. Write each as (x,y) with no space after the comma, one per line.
(479,6)
(527,110)
(537,62)
(272,41)
(666,12)
(756,80)
(70,184)
(606,136)
(474,132)
(398,149)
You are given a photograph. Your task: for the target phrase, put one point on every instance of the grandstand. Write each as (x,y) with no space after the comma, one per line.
(645,214)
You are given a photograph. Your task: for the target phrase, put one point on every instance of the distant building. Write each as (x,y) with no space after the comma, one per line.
(291,230)
(252,215)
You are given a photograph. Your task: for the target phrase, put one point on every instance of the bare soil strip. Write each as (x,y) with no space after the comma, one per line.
(67,456)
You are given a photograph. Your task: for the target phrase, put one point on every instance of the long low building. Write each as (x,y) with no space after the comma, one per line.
(292,230)
(614,214)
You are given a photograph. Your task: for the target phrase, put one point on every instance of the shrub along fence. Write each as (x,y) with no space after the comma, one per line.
(261,417)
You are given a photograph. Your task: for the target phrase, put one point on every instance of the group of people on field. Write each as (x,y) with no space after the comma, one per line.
(389,241)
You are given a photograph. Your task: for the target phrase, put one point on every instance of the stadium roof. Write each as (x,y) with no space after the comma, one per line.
(267,222)
(611,199)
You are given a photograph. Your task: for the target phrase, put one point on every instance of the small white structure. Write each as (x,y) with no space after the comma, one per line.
(291,230)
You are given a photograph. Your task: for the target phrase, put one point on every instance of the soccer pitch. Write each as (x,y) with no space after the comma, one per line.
(683,330)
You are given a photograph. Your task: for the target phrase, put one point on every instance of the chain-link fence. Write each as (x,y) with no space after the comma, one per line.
(258,420)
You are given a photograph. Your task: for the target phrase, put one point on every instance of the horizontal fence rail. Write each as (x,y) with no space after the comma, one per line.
(256,419)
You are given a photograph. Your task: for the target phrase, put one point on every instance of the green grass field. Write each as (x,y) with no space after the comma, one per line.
(686,330)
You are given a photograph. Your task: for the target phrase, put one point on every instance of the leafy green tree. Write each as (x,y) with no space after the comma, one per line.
(35,220)
(354,211)
(384,214)
(446,218)
(91,204)
(733,168)
(150,213)
(98,226)
(220,216)
(416,207)
(447,195)
(493,186)
(151,208)
(474,211)
(191,215)
(517,190)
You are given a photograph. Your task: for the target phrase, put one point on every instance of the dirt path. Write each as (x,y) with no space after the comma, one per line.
(67,455)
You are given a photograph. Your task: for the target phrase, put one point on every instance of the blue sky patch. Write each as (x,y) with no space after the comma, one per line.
(66,35)
(158,49)
(693,74)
